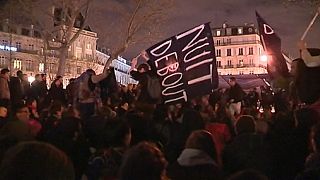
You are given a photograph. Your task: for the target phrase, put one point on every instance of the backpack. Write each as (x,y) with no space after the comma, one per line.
(154,87)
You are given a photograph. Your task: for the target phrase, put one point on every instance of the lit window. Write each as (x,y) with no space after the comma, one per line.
(218,33)
(218,63)
(218,42)
(88,46)
(17,64)
(240,31)
(241,62)
(41,67)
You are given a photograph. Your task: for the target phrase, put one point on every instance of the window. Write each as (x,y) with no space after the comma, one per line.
(241,72)
(228,31)
(68,69)
(218,63)
(2,61)
(251,72)
(218,42)
(31,47)
(4,42)
(78,69)
(88,46)
(18,45)
(240,51)
(251,51)
(17,63)
(218,33)
(251,61)
(218,53)
(88,56)
(229,63)
(229,41)
(228,52)
(29,65)
(41,67)
(241,62)
(240,30)
(78,55)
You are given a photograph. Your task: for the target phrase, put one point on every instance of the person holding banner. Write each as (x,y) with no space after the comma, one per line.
(145,76)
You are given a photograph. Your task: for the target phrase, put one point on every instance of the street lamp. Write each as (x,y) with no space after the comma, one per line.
(264,58)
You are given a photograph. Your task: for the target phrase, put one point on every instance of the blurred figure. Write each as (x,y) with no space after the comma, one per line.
(236,95)
(4,87)
(144,161)
(198,160)
(35,160)
(248,174)
(3,116)
(56,92)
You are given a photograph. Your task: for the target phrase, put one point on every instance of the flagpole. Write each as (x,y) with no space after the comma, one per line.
(311,23)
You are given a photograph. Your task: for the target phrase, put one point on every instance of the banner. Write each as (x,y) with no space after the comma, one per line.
(185,64)
(272,46)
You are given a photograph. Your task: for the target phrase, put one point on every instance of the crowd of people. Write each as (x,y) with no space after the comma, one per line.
(86,132)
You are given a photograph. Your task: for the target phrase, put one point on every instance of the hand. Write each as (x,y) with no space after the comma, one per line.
(134,62)
(302,45)
(144,54)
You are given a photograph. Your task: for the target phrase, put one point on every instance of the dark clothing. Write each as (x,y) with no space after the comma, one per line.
(143,95)
(312,168)
(16,90)
(56,94)
(18,130)
(3,121)
(236,93)
(244,152)
(105,164)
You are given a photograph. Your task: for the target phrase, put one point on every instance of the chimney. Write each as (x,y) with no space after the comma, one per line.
(224,25)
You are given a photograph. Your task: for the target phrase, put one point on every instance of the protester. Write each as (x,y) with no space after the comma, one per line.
(144,161)
(4,87)
(235,94)
(35,160)
(198,160)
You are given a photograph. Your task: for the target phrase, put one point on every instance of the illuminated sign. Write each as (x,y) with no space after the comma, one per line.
(8,48)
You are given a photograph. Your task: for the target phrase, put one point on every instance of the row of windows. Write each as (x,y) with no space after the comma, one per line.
(17,45)
(240,62)
(240,53)
(240,73)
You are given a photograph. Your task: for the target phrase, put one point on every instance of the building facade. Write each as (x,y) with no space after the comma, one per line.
(22,48)
(239,50)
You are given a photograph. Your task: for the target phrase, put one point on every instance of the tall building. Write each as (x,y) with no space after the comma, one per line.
(22,48)
(239,50)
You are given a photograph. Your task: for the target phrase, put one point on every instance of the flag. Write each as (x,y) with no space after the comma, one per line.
(271,43)
(108,85)
(185,64)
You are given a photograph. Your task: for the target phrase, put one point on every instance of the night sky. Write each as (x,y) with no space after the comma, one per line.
(289,21)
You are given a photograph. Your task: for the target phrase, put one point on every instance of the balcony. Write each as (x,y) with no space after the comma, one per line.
(236,43)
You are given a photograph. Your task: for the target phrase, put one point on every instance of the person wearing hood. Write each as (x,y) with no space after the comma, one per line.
(197,160)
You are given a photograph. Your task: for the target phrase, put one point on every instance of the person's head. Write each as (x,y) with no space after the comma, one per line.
(71,80)
(25,77)
(31,103)
(19,74)
(21,112)
(248,174)
(3,111)
(232,81)
(5,73)
(38,77)
(58,81)
(56,109)
(36,160)
(143,68)
(202,140)
(44,77)
(143,161)
(245,124)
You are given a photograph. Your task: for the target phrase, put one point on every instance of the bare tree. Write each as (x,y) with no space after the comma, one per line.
(131,22)
(60,22)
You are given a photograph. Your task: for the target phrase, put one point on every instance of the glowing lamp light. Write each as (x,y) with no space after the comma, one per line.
(264,58)
(31,79)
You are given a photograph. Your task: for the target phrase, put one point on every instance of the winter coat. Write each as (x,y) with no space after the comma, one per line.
(4,88)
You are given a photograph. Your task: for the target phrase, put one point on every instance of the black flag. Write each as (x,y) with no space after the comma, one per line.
(271,43)
(185,65)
